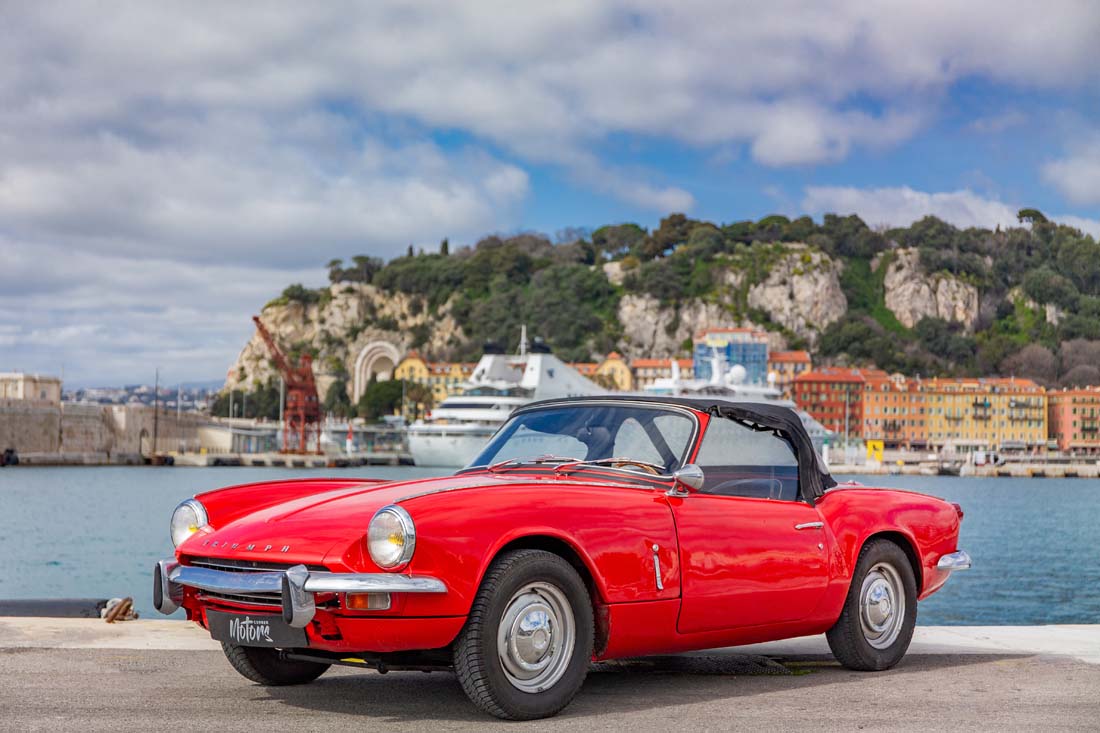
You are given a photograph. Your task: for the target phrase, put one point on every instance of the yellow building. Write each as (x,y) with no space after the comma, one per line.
(1002,414)
(616,372)
(613,372)
(444,378)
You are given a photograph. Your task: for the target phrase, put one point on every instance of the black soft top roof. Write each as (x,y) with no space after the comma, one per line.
(814,477)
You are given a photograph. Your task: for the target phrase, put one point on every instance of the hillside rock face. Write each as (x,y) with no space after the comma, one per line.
(801,293)
(655,331)
(1052,314)
(338,330)
(913,294)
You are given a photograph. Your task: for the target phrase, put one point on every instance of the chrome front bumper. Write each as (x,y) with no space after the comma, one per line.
(296,586)
(954,561)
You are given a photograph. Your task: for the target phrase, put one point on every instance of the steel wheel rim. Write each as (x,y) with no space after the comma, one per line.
(536,637)
(882,605)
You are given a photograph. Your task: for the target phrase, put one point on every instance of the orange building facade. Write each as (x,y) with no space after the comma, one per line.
(647,371)
(1074,420)
(836,397)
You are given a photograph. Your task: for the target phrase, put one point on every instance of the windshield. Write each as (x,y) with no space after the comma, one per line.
(593,432)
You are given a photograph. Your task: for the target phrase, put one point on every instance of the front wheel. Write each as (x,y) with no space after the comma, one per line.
(524,651)
(880,613)
(267,668)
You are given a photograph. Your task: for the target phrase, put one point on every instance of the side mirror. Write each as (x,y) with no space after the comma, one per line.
(690,475)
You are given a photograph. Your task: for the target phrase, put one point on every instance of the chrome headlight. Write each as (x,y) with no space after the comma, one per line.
(391,537)
(187,518)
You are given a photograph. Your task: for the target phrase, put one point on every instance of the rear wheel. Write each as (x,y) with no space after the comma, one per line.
(880,613)
(264,666)
(524,651)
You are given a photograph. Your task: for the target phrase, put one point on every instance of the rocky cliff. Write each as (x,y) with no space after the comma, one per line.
(801,293)
(337,328)
(912,293)
(793,292)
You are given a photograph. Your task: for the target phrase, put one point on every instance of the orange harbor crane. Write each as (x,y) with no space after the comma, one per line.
(302,416)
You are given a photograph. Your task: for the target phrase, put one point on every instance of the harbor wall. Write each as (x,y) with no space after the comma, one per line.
(114,431)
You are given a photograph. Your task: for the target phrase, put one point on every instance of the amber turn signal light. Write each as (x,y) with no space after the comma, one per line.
(367,601)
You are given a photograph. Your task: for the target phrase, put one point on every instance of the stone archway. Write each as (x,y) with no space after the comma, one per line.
(377,358)
(145,444)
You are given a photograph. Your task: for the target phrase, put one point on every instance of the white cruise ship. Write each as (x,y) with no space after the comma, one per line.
(461,425)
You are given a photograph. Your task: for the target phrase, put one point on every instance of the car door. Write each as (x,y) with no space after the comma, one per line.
(751,551)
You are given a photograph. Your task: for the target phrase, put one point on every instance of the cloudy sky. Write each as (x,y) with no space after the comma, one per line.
(166,168)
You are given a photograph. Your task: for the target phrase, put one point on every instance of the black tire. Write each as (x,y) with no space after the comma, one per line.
(848,639)
(477,664)
(263,666)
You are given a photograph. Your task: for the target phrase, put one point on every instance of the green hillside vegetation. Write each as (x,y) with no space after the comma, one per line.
(561,292)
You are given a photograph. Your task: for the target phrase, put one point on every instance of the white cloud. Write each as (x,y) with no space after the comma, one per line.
(901,206)
(107,318)
(200,155)
(1077,175)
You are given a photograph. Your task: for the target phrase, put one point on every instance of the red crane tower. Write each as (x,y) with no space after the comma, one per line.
(302,416)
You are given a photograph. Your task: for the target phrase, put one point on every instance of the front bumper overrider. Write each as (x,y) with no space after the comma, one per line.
(295,585)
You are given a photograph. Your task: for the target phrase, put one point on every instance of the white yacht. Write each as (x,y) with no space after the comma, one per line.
(729,383)
(460,426)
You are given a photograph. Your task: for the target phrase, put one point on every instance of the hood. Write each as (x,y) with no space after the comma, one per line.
(305,529)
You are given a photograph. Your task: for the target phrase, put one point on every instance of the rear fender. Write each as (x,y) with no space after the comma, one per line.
(927,525)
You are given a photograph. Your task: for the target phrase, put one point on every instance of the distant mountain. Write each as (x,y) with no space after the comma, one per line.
(927,299)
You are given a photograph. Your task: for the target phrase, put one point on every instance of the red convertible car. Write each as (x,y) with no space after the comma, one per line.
(587,529)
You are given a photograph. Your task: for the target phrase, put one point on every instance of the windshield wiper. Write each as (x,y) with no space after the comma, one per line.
(600,461)
(540,459)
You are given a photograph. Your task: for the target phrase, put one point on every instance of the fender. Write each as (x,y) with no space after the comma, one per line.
(929,525)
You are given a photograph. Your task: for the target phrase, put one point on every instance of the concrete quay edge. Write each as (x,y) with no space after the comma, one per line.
(1081,642)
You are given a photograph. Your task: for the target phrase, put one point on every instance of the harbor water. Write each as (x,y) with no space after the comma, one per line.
(96,532)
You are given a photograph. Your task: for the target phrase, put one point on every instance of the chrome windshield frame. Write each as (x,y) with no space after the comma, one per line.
(689,446)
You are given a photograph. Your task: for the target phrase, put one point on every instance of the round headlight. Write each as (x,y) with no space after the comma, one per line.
(391,537)
(187,518)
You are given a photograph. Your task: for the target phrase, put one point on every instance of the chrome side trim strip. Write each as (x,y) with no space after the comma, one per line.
(657,568)
(954,561)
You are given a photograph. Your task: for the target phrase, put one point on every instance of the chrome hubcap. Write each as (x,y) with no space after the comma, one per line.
(536,637)
(882,606)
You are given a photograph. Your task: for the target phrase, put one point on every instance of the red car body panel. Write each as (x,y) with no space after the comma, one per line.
(732,569)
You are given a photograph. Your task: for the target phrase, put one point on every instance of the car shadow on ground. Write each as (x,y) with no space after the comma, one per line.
(617,687)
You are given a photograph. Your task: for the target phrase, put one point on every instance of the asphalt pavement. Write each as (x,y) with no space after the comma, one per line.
(127,684)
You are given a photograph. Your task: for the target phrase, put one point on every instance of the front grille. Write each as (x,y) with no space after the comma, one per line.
(245,566)
(265,600)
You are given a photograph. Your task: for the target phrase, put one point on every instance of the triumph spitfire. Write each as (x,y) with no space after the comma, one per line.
(587,529)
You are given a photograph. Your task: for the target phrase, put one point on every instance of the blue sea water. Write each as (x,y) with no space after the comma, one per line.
(97,531)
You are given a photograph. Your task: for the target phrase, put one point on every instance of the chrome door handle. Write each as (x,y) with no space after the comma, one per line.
(810,525)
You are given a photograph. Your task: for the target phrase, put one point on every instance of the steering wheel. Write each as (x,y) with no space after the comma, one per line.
(648,468)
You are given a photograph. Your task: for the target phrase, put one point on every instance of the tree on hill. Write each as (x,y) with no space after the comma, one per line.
(380,398)
(1030,216)
(336,400)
